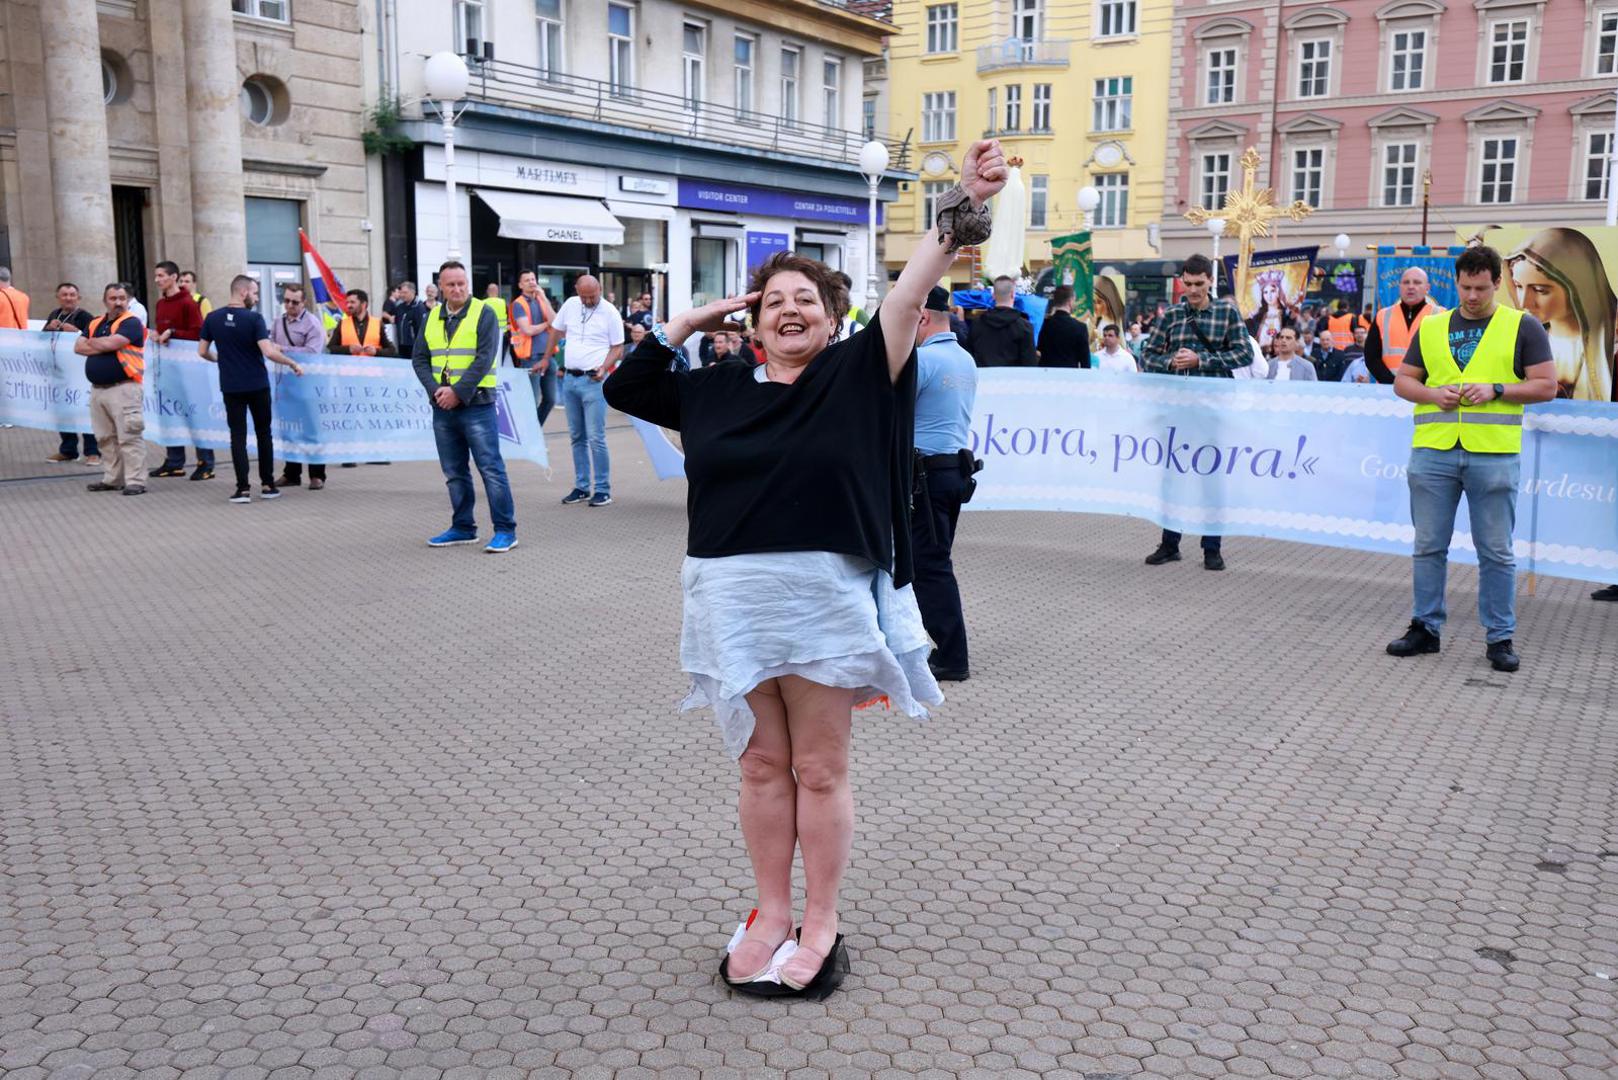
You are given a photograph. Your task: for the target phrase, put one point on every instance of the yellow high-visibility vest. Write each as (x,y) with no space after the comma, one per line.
(452,356)
(1494,427)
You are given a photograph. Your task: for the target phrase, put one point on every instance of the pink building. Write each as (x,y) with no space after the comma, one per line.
(1508,103)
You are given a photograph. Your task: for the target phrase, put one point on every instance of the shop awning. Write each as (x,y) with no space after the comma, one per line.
(553,219)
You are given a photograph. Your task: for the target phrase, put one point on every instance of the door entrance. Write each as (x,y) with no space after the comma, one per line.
(129,237)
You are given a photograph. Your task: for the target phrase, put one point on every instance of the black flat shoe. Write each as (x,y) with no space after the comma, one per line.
(832,972)
(949,674)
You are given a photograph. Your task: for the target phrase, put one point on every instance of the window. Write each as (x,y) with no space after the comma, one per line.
(1221,76)
(274,10)
(1508,51)
(694,46)
(1408,69)
(620,47)
(1116,18)
(1598,147)
(868,117)
(1112,212)
(745,48)
(791,61)
(1042,107)
(930,192)
(469,27)
(1607,43)
(1112,103)
(1028,20)
(711,262)
(943,28)
(1014,108)
(109,82)
(549,15)
(831,91)
(1308,174)
(1314,68)
(1497,175)
(261,103)
(994,116)
(1215,180)
(938,116)
(1039,194)
(1399,174)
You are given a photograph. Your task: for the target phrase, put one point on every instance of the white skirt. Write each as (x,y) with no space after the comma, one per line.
(832,619)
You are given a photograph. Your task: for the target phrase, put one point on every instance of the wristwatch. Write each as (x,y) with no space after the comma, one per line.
(1499,390)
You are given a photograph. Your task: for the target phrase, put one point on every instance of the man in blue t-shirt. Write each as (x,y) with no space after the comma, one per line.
(242,340)
(946,387)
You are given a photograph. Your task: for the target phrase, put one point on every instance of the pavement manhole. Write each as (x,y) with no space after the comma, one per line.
(1547,866)
(1499,956)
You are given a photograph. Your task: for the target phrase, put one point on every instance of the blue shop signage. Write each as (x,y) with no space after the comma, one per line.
(760,246)
(770,202)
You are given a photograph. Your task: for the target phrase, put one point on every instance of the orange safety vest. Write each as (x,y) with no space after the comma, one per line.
(1342,324)
(351,337)
(522,346)
(1396,336)
(13,308)
(132,357)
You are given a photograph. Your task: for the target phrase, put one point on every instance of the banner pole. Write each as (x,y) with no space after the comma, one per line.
(1533,521)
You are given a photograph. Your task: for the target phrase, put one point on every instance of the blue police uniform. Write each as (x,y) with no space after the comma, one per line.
(946,387)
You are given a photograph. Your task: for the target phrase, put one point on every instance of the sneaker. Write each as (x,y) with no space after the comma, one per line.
(1163,554)
(59,458)
(1502,656)
(1212,560)
(453,537)
(1610,592)
(100,486)
(168,470)
(574,496)
(601,498)
(242,496)
(502,543)
(136,489)
(287,481)
(92,460)
(203,472)
(269,491)
(1417,640)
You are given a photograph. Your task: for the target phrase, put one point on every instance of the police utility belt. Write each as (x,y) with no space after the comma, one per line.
(927,463)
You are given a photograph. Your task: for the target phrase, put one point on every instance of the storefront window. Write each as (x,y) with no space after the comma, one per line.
(710,276)
(644,245)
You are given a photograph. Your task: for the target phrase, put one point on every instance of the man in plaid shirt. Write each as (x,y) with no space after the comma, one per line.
(1200,336)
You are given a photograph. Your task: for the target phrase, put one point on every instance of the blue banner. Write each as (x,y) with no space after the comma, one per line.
(343,408)
(762,245)
(1440,278)
(770,202)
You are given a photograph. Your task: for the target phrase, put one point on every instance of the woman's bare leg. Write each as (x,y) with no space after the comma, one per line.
(767,805)
(818,720)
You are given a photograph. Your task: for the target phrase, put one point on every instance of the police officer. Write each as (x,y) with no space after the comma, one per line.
(946,386)
(1469,372)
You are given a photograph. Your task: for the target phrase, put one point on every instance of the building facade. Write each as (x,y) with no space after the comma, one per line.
(1074,88)
(203,131)
(666,147)
(1506,104)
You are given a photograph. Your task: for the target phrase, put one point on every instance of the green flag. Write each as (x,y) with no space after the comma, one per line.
(1074,266)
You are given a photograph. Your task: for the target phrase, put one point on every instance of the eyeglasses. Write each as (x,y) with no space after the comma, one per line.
(291,302)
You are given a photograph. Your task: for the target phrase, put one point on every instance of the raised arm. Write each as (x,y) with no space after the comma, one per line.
(983,174)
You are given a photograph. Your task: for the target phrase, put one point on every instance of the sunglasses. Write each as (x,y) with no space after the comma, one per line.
(289,300)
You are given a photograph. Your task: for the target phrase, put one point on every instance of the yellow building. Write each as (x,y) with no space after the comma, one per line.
(1079,90)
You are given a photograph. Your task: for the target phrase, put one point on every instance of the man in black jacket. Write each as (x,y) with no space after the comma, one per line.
(1064,341)
(1003,336)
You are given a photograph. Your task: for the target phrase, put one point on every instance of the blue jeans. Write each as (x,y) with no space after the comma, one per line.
(1437,480)
(1210,544)
(474,430)
(586,408)
(70,445)
(544,390)
(174,458)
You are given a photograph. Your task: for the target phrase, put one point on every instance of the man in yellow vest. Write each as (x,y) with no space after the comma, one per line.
(188,282)
(497,303)
(1396,325)
(1469,373)
(455,360)
(359,334)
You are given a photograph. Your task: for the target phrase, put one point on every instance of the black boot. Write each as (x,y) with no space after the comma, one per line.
(1163,554)
(1417,640)
(1503,656)
(1608,593)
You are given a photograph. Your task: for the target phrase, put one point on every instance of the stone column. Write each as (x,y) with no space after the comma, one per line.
(81,181)
(213,94)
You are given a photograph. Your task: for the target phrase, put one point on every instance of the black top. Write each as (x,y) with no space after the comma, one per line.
(821,464)
(105,369)
(1003,337)
(1533,345)
(79,319)
(1064,341)
(235,333)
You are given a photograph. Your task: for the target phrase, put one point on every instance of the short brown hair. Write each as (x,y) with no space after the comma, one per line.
(833,293)
(1479,259)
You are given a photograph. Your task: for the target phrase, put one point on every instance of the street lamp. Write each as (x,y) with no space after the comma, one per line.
(1341,242)
(445,80)
(1089,199)
(873,163)
(1216,229)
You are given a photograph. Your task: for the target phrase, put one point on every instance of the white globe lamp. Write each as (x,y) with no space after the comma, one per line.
(445,77)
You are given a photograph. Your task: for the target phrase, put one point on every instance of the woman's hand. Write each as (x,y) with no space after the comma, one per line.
(709,318)
(984,173)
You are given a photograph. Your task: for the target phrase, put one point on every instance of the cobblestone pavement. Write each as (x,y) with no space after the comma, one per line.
(284,793)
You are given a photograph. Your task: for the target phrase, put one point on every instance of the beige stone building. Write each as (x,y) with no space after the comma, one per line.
(203,131)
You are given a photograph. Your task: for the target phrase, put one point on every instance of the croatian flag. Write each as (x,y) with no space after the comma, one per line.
(329,292)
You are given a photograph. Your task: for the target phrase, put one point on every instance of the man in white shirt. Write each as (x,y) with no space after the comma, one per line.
(594,332)
(1112,356)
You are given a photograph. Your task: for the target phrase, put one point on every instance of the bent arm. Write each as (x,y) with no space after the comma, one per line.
(1411,384)
(88,346)
(272,351)
(644,387)
(1539,384)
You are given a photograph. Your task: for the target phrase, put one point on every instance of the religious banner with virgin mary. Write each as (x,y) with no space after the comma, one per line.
(1272,294)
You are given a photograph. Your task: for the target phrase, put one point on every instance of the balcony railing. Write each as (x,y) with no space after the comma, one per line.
(641,112)
(1021,52)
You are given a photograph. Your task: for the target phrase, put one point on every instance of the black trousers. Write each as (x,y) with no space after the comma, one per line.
(1172,539)
(932,536)
(237,406)
(294,471)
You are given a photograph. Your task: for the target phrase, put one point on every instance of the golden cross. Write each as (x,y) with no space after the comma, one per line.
(1248,212)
